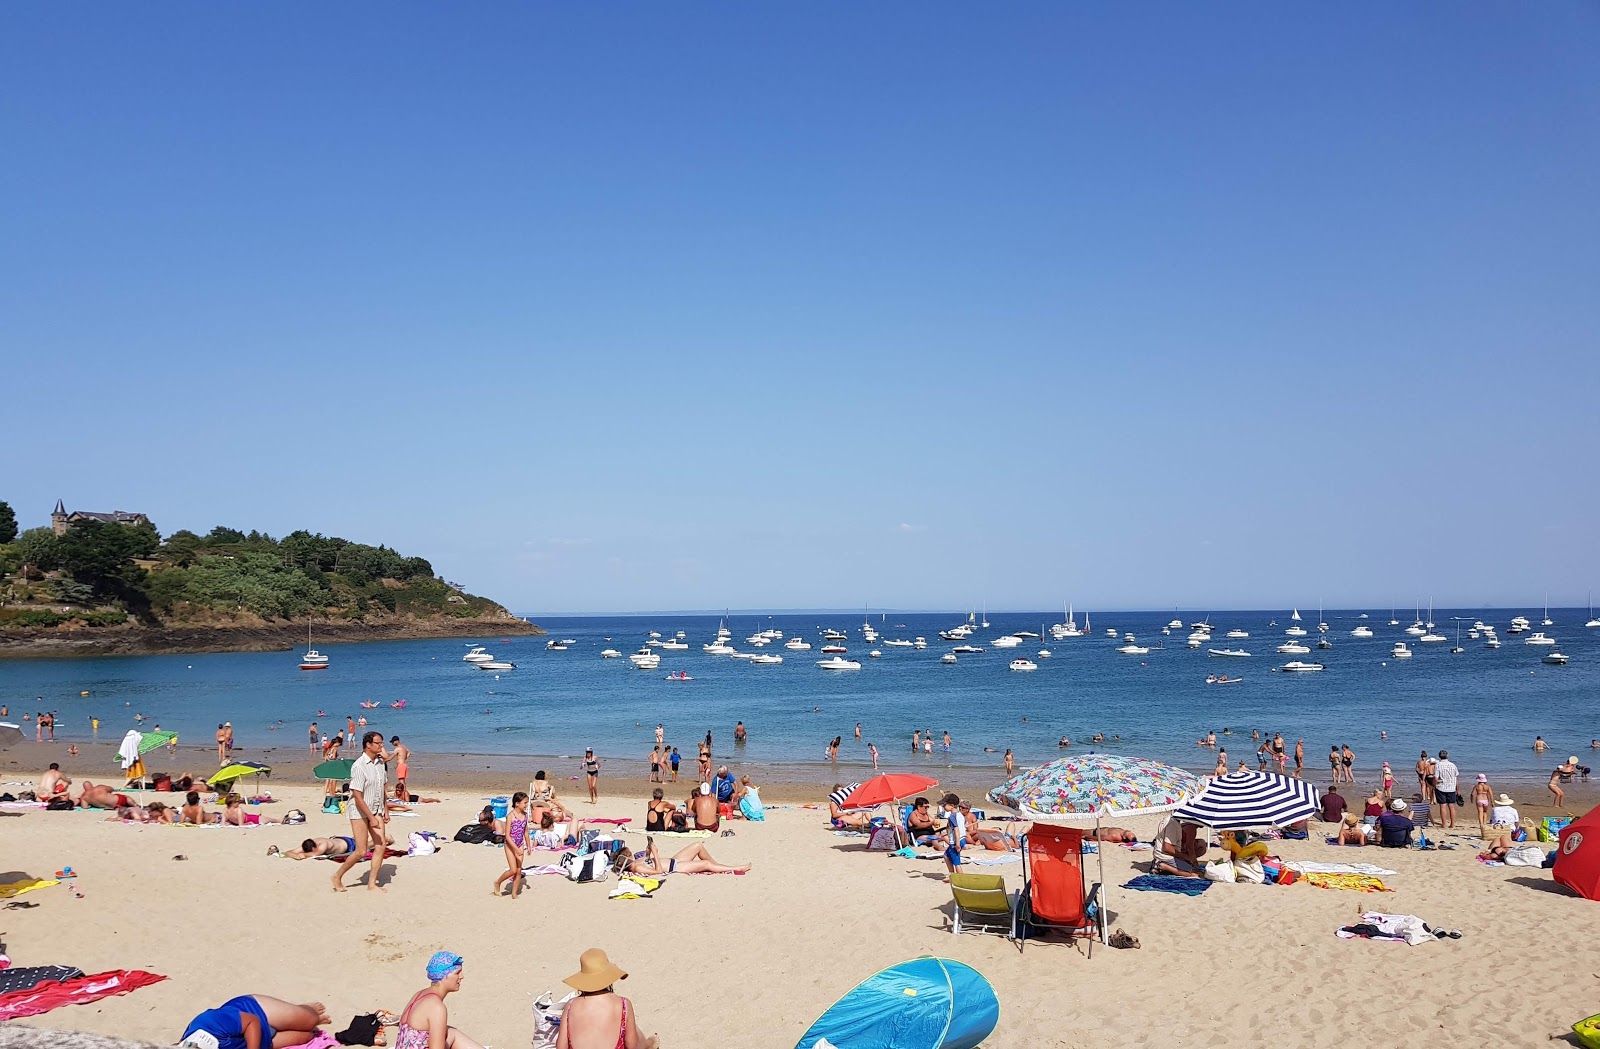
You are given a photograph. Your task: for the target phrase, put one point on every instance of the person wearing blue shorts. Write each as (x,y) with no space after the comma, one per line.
(955,831)
(254,1021)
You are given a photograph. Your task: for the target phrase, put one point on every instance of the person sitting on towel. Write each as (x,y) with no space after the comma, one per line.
(1178,850)
(704,809)
(1395,827)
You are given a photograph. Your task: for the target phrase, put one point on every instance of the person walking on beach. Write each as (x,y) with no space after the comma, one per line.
(517,844)
(1347,758)
(705,759)
(1425,777)
(591,771)
(1299,757)
(368,785)
(1482,799)
(655,764)
(1011,762)
(1445,775)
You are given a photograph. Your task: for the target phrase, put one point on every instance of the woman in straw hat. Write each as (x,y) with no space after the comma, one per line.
(425,1022)
(599,1018)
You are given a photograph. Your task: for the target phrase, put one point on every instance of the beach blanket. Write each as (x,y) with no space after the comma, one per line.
(17,888)
(1355,882)
(1401,928)
(77,991)
(21,804)
(614,822)
(545,868)
(1168,883)
(673,833)
(1137,846)
(1312,867)
(993,861)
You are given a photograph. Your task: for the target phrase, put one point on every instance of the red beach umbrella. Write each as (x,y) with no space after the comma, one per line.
(892,787)
(1578,855)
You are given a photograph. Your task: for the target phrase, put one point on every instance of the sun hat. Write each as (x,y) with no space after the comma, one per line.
(1572,760)
(595,972)
(1504,799)
(1482,778)
(442,964)
(1399,804)
(1351,819)
(705,788)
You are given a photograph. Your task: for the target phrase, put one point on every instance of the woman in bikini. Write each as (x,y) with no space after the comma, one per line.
(1482,798)
(517,844)
(692,859)
(599,1017)
(425,1023)
(591,770)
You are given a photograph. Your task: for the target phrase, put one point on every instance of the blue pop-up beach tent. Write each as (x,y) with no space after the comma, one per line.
(926,1003)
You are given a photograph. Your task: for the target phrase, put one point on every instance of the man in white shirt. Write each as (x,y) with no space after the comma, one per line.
(1445,775)
(955,832)
(368,785)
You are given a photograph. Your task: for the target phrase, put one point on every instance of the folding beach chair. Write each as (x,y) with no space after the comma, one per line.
(983,901)
(1053,889)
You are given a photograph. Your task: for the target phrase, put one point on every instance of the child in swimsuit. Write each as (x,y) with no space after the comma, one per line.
(517,843)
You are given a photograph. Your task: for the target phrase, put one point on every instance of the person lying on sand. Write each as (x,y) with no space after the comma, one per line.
(1114,834)
(312,848)
(255,1021)
(155,812)
(101,796)
(548,837)
(234,814)
(692,859)
(1351,832)
(993,840)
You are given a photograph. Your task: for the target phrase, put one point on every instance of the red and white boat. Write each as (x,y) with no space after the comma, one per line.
(312,660)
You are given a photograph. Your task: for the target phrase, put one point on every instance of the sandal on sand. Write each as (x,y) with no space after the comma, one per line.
(1122,941)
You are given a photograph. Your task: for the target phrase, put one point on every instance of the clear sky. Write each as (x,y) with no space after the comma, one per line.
(911,305)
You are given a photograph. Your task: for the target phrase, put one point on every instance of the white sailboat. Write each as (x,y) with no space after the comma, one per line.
(1592,620)
(1547,621)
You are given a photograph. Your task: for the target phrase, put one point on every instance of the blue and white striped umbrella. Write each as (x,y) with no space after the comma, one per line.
(1245,799)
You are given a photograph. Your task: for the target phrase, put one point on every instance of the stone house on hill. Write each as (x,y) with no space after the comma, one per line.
(61,521)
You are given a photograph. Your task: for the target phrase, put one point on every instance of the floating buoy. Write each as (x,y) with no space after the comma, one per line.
(83,693)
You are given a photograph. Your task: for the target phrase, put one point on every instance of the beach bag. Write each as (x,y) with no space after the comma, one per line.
(293,817)
(475,834)
(547,1019)
(587,866)
(887,839)
(332,805)
(1249,872)
(1550,827)
(59,805)
(1221,870)
(421,844)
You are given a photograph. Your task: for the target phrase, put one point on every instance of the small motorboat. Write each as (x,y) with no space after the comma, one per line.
(1044,653)
(1233,653)
(1539,638)
(477,654)
(967,650)
(800,644)
(1222,679)
(1131,649)
(875,654)
(1297,667)
(766,659)
(1400,651)
(1361,631)
(555,646)
(1555,659)
(610,653)
(833,650)
(1024,664)
(496,665)
(679,675)
(947,658)
(837,663)
(1006,641)
(1238,635)
(645,659)
(1293,648)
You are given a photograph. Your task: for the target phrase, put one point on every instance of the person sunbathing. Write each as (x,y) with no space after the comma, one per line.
(993,840)
(312,848)
(1496,850)
(155,812)
(1351,832)
(234,814)
(1112,834)
(692,859)
(255,1019)
(193,812)
(548,837)
(101,796)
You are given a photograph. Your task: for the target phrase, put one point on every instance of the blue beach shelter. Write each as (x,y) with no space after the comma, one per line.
(926,1003)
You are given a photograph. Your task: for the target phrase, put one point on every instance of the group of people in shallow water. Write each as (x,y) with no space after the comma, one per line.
(596,1017)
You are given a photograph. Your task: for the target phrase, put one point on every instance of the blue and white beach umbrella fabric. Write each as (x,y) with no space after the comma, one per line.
(1245,799)
(926,1003)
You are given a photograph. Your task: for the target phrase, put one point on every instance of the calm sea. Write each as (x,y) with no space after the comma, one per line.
(1485,705)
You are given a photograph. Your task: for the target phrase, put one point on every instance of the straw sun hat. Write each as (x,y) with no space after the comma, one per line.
(1504,799)
(595,972)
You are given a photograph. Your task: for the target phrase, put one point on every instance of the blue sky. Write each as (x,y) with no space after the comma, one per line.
(915,306)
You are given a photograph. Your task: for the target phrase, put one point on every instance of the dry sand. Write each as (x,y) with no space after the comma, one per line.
(752,960)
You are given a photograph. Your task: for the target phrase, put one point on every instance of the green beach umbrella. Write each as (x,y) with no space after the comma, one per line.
(221,779)
(339,769)
(149,741)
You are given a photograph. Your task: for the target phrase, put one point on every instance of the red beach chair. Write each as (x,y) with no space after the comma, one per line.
(1054,893)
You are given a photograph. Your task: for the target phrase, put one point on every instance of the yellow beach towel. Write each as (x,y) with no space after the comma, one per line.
(1358,882)
(17,888)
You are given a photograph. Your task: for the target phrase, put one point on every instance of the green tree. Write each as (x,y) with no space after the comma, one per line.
(39,547)
(222,534)
(8,523)
(101,556)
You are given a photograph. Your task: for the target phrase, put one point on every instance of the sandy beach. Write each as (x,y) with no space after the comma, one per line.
(753,960)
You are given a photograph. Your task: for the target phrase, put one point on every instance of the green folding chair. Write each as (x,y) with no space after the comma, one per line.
(982,902)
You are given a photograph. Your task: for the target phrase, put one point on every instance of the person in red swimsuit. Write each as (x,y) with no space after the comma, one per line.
(425,1020)
(599,1018)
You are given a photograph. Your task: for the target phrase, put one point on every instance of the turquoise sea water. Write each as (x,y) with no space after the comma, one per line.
(1484,705)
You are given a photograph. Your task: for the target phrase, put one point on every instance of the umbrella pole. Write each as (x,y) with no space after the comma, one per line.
(1100,851)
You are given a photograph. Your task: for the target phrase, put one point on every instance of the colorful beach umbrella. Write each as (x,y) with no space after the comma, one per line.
(224,776)
(887,789)
(1244,799)
(149,741)
(10,735)
(1095,786)
(336,769)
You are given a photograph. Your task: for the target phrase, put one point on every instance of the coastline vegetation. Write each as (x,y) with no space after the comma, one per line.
(104,574)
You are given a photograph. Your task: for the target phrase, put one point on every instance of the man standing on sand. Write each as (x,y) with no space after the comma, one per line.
(367,787)
(1299,757)
(655,764)
(1445,775)
(402,769)
(314,736)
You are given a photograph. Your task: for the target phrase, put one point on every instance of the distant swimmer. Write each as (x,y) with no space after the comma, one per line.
(1539,745)
(1099,737)
(1065,742)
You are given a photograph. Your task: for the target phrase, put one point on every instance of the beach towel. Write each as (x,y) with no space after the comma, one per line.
(634,888)
(77,991)
(1312,867)
(545,868)
(614,822)
(13,980)
(1402,928)
(673,833)
(996,860)
(1355,882)
(1168,883)
(17,888)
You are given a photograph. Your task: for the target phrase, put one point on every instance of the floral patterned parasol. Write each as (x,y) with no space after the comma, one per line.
(1091,786)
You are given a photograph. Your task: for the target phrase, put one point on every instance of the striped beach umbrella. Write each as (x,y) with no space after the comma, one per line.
(838,796)
(1095,786)
(1245,799)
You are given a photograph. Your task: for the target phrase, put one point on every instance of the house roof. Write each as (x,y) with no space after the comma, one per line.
(114,517)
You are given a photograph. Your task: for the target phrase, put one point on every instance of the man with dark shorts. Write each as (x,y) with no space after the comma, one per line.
(311,848)
(1445,775)
(1299,757)
(655,764)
